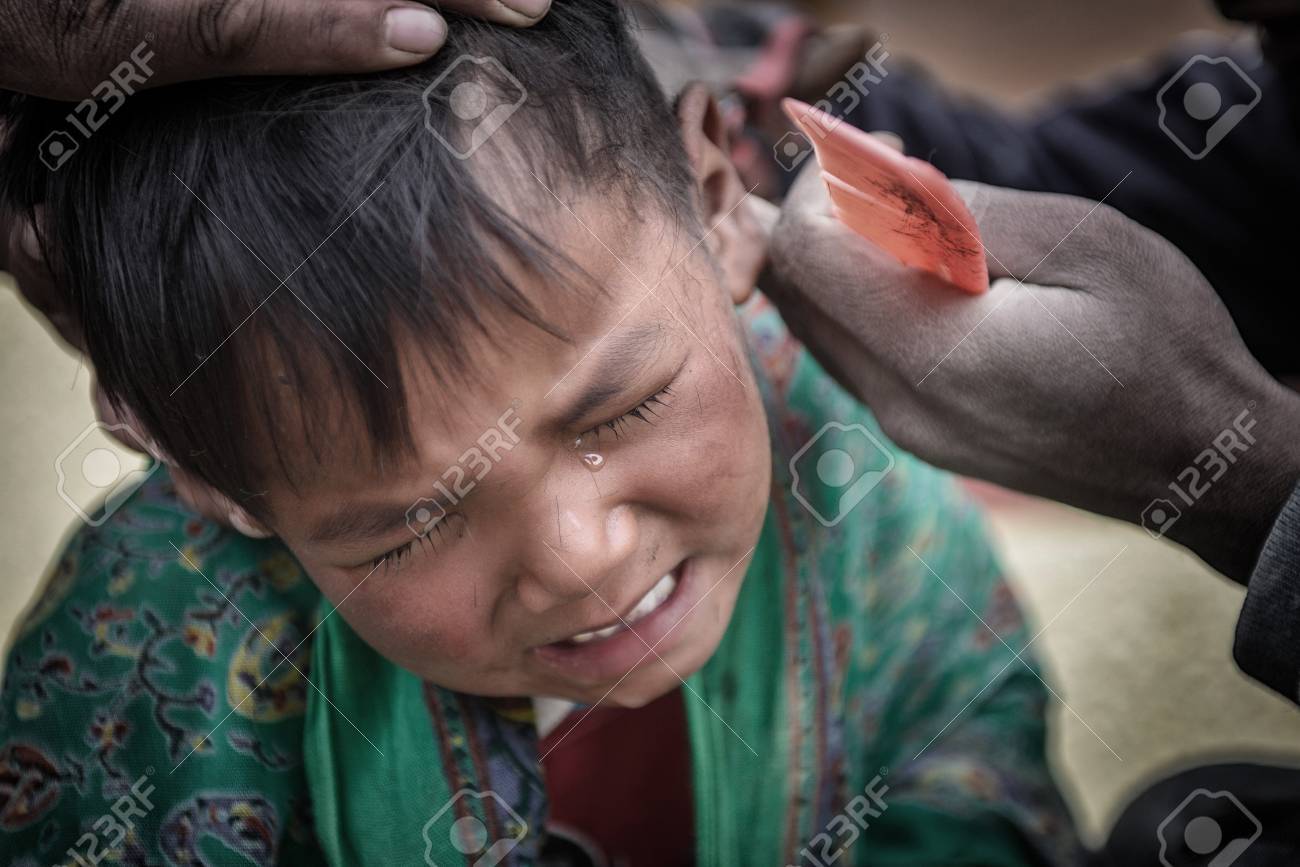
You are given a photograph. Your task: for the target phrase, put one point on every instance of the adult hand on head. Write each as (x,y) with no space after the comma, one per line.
(59,53)
(63,50)
(1097,384)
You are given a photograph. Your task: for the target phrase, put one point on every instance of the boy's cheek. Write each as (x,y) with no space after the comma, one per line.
(412,629)
(425,644)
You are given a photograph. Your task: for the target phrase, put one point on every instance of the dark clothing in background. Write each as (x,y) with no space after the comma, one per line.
(1279,30)
(1251,805)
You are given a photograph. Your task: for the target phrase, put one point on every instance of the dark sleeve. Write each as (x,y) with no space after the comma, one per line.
(1223,208)
(1267,645)
(1279,26)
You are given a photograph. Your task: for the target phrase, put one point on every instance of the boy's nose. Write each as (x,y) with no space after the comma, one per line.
(589,547)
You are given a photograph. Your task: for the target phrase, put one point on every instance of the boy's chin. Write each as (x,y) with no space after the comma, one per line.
(642,688)
(653,679)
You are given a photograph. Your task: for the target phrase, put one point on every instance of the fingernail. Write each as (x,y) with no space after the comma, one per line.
(415,31)
(528,8)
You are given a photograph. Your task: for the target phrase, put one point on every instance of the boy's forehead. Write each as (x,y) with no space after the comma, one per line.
(613,324)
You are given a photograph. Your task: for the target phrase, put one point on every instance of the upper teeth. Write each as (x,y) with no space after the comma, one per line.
(648,603)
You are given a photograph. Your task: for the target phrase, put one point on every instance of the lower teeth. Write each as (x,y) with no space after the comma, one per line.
(649,602)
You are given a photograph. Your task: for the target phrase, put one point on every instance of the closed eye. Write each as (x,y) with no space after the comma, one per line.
(645,411)
(398,557)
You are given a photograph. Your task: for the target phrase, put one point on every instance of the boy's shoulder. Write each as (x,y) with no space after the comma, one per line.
(829,451)
(161,656)
(149,541)
(850,503)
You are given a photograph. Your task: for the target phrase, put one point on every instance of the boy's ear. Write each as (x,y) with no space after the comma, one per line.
(192,491)
(214,505)
(246,523)
(738,239)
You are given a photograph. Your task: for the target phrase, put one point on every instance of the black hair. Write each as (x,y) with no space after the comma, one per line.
(148,221)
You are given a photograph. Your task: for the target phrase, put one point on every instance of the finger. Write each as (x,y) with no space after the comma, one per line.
(1050,239)
(890,139)
(819,261)
(888,323)
(811,240)
(808,192)
(517,13)
(808,196)
(273,37)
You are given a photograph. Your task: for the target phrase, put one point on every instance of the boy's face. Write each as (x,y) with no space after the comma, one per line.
(650,520)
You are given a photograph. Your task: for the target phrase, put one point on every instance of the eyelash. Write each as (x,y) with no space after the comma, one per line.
(397,556)
(618,425)
(394,558)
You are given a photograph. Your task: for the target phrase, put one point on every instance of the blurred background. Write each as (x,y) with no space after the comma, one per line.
(1138,633)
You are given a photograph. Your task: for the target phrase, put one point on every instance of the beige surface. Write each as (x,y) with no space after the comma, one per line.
(45,393)
(1138,650)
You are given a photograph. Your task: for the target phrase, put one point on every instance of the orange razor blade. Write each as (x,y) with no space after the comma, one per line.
(903,205)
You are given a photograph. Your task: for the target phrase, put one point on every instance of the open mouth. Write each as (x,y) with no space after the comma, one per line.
(654,598)
(610,652)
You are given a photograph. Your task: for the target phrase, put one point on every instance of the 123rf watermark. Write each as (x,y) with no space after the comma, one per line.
(480,827)
(456,481)
(848,825)
(97,471)
(110,829)
(481,93)
(836,469)
(1204,101)
(1213,828)
(844,96)
(1196,478)
(90,114)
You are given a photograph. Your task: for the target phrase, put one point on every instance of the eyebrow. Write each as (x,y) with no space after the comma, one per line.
(618,359)
(360,521)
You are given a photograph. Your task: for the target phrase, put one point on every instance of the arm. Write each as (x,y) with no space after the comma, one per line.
(1267,645)
(1128,444)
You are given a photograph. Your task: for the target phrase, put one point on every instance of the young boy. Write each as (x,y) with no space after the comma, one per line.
(477,343)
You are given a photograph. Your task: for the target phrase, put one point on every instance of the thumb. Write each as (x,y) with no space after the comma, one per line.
(826,263)
(154,42)
(317,36)
(271,37)
(808,194)
(1054,239)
